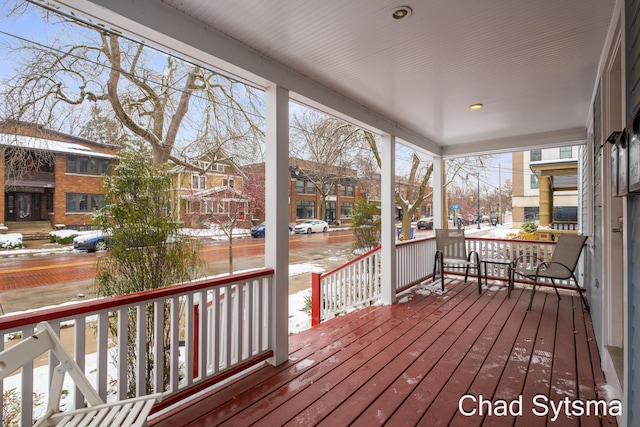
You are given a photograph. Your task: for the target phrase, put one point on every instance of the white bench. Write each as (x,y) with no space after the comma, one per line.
(129,412)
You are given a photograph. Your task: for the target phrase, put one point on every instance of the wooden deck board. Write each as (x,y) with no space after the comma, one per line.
(409,364)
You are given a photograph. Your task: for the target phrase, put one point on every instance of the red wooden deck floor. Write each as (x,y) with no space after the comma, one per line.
(410,364)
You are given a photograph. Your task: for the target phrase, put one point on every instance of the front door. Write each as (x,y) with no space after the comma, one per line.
(24,206)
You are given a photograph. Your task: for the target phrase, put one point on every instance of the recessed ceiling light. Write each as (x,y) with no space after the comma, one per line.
(475,106)
(401,12)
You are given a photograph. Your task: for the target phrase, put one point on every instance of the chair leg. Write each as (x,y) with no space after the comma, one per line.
(466,274)
(435,266)
(533,292)
(479,271)
(553,282)
(442,271)
(584,300)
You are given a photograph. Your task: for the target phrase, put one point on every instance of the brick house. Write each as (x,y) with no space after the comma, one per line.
(59,178)
(305,198)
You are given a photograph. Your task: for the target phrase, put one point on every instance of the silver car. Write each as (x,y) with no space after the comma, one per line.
(311,226)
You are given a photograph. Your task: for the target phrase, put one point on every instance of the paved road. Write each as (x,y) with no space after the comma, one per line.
(29,282)
(27,272)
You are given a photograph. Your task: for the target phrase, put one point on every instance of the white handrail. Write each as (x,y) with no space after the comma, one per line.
(200,346)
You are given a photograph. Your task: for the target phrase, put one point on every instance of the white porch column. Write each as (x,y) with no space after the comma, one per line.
(388,250)
(277,215)
(439,206)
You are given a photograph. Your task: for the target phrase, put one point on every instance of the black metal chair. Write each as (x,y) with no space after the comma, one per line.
(451,250)
(561,266)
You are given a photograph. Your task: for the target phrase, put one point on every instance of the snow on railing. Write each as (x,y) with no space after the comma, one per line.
(198,348)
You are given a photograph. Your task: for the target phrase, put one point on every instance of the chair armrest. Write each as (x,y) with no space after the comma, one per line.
(477,255)
(546,264)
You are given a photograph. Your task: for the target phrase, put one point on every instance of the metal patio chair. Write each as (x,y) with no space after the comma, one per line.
(129,412)
(561,266)
(451,250)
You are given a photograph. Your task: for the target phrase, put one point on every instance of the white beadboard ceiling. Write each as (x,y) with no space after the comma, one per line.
(533,64)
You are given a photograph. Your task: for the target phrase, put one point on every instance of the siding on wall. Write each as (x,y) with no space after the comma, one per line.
(633,56)
(594,290)
(632,43)
(633,403)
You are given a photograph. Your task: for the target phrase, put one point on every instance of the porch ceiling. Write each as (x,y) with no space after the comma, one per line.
(532,64)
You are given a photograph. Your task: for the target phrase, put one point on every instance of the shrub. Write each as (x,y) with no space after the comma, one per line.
(529,226)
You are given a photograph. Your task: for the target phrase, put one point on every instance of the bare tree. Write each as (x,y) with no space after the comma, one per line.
(164,101)
(413,191)
(329,145)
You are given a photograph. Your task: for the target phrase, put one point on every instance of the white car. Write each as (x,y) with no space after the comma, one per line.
(311,226)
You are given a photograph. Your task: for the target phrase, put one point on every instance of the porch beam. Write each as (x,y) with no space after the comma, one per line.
(388,249)
(277,215)
(439,205)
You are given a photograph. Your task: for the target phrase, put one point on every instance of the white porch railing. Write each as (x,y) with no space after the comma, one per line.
(200,347)
(357,283)
(414,262)
(510,250)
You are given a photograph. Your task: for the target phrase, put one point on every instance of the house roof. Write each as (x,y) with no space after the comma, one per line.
(533,65)
(51,145)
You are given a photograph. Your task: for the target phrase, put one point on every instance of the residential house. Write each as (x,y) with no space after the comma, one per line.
(199,197)
(51,177)
(545,186)
(313,184)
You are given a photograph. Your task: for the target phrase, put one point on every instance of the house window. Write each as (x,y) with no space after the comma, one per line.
(345,210)
(218,167)
(198,182)
(565,213)
(346,190)
(305,209)
(300,186)
(88,165)
(565,152)
(531,213)
(536,155)
(311,187)
(228,182)
(534,182)
(84,202)
(350,191)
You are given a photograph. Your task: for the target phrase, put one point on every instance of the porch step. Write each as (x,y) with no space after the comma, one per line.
(30,230)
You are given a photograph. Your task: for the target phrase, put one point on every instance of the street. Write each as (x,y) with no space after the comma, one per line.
(28,282)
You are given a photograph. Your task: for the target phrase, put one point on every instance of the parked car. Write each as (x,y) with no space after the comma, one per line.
(311,226)
(258,230)
(425,223)
(92,242)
